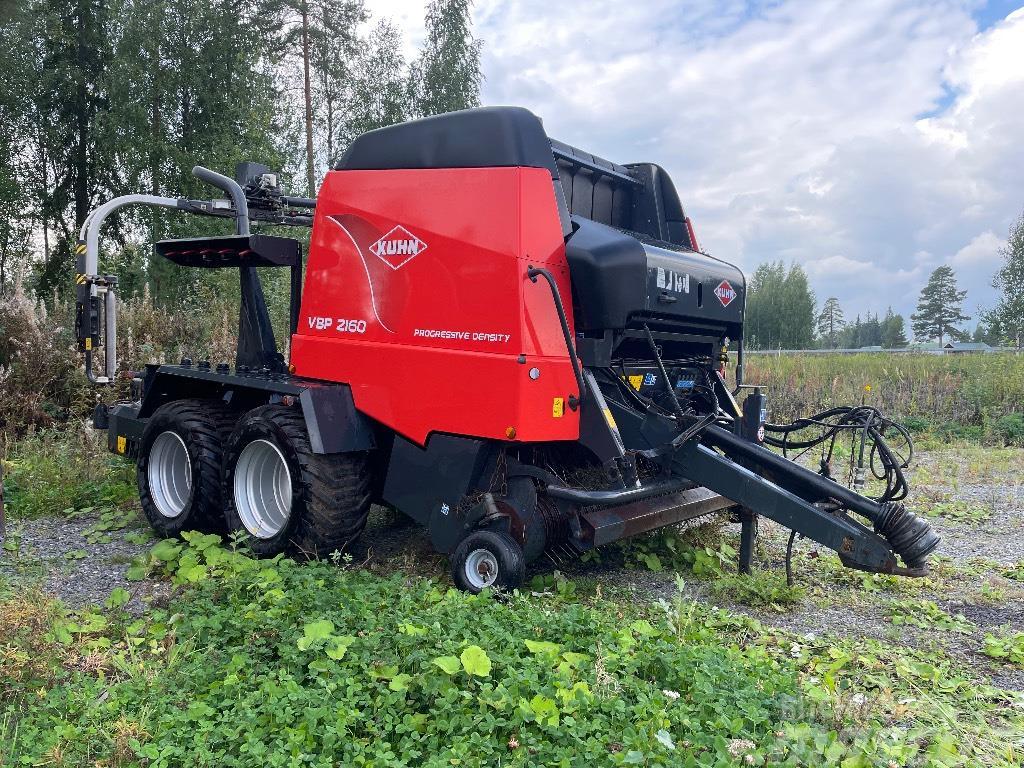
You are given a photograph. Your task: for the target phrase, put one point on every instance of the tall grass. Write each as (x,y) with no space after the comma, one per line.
(42,383)
(984,392)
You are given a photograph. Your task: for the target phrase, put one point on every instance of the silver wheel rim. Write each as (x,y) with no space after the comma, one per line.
(481,568)
(263,489)
(170,474)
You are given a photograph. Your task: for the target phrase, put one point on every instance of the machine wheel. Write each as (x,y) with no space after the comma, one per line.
(283,497)
(179,466)
(488,559)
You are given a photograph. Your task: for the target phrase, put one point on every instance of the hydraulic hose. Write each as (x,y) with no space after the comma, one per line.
(533,273)
(865,424)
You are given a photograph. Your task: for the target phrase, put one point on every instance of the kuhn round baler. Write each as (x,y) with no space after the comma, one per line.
(515,343)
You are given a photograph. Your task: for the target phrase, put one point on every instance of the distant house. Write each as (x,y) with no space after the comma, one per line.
(959,347)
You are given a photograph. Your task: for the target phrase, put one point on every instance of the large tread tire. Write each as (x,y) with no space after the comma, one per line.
(203,426)
(331,494)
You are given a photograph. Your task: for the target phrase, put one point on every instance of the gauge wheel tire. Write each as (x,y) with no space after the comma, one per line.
(281,497)
(488,559)
(179,466)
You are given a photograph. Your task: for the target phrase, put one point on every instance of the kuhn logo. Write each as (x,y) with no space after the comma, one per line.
(398,247)
(725,293)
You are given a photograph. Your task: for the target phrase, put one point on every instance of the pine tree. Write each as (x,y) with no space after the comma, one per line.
(319,38)
(893,330)
(939,309)
(830,322)
(334,53)
(852,334)
(447,76)
(1009,282)
(871,332)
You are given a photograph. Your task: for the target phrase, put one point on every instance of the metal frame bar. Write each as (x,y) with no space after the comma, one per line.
(594,168)
(97,285)
(852,540)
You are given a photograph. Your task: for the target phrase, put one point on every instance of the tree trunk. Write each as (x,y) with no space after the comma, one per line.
(154,132)
(330,131)
(307,87)
(81,124)
(42,196)
(155,138)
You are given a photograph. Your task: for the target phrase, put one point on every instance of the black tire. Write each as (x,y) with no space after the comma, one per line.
(506,556)
(201,426)
(330,493)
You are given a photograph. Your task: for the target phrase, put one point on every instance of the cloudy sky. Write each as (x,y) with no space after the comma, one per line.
(870,141)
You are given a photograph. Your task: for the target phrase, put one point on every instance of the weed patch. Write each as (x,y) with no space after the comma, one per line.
(959,511)
(926,614)
(1006,646)
(66,472)
(758,590)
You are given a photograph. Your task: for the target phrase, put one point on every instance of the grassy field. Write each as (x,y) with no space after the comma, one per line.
(286,664)
(196,655)
(978,397)
(228,661)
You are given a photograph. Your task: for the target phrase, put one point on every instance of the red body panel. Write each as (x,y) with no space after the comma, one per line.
(416,295)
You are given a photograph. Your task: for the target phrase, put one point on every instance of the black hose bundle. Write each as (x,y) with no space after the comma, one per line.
(871,433)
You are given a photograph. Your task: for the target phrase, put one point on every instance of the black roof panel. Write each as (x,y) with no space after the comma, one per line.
(485,137)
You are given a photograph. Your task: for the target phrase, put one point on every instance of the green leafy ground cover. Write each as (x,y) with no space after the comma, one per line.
(282,663)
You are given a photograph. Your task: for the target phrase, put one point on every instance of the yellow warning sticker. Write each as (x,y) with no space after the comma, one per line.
(558,407)
(609,418)
(122,444)
(88,343)
(636,381)
(80,248)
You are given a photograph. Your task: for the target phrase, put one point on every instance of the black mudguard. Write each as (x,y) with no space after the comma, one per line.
(334,423)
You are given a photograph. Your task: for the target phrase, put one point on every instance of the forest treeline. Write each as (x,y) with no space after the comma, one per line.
(782,311)
(100,98)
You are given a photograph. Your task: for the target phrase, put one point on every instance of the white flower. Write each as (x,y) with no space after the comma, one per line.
(738,747)
(671,694)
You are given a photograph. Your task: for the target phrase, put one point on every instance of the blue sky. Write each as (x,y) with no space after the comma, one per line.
(869,141)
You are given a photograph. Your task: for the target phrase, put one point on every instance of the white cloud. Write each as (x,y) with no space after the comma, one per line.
(793,129)
(837,266)
(981,252)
